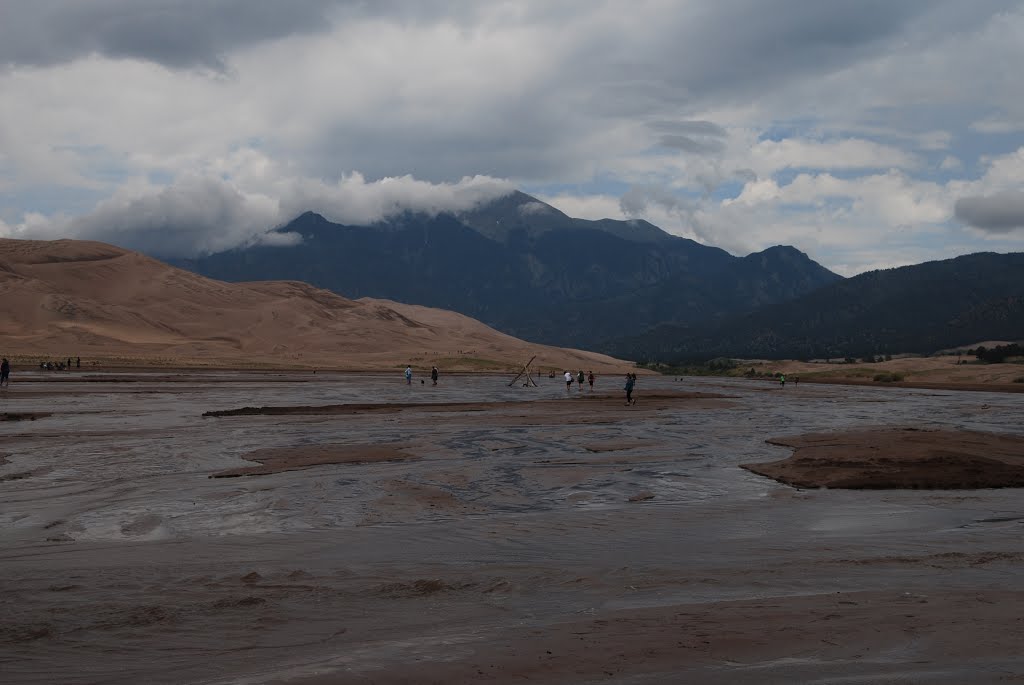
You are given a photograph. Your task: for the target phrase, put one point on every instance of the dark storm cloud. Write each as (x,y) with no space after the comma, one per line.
(175,33)
(695,137)
(703,55)
(999,213)
(690,128)
(731,50)
(693,145)
(195,216)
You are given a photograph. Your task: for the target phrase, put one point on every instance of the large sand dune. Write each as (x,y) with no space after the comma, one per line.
(77,298)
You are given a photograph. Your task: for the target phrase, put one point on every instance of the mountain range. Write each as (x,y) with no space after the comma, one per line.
(921,308)
(629,289)
(527,269)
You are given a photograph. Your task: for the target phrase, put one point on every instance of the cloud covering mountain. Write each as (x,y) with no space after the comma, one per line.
(849,129)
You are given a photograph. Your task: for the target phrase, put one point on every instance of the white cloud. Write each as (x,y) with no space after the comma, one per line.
(769,156)
(534,208)
(831,126)
(951,163)
(196,215)
(1004,172)
(1000,125)
(202,215)
(591,207)
(354,201)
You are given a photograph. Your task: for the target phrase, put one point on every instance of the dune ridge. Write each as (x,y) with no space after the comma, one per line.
(90,299)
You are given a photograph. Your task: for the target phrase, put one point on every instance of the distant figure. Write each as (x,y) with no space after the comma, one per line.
(5,373)
(782,379)
(590,379)
(581,378)
(78,362)
(568,380)
(433,375)
(630,382)
(408,375)
(796,380)
(69,363)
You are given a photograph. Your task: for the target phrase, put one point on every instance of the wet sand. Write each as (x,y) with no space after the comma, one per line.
(899,458)
(922,384)
(22,416)
(478,533)
(281,459)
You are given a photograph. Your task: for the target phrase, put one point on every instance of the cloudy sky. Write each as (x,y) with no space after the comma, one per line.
(868,133)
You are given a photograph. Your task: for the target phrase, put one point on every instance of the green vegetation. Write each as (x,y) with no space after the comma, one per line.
(720,366)
(888,377)
(998,354)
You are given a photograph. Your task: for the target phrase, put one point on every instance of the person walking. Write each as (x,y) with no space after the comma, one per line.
(630,383)
(590,379)
(580,378)
(568,381)
(782,379)
(433,375)
(5,373)
(408,375)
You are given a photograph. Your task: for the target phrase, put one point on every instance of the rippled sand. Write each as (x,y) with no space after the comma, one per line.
(502,534)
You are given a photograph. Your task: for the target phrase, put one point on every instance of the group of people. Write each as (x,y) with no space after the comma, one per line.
(581,378)
(433,375)
(570,378)
(5,368)
(60,365)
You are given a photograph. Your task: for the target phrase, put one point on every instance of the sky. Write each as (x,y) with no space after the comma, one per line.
(868,134)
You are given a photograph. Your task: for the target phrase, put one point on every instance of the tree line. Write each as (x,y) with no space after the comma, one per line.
(997,354)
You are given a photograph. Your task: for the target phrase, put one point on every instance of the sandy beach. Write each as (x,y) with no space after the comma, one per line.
(374,532)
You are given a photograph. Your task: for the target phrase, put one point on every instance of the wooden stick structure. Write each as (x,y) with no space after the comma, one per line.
(529,375)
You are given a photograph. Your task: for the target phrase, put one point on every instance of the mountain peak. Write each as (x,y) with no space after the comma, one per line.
(512,213)
(520,213)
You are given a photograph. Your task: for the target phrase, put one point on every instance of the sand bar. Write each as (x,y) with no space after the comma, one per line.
(899,458)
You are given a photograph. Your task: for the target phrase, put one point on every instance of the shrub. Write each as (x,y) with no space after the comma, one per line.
(721,364)
(888,377)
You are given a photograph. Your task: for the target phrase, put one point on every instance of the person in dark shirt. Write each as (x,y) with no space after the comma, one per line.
(630,383)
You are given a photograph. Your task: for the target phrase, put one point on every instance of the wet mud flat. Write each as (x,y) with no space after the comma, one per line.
(378,532)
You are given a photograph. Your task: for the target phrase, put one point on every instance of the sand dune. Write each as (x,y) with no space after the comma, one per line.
(89,299)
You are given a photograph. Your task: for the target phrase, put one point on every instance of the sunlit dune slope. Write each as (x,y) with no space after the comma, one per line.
(89,299)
